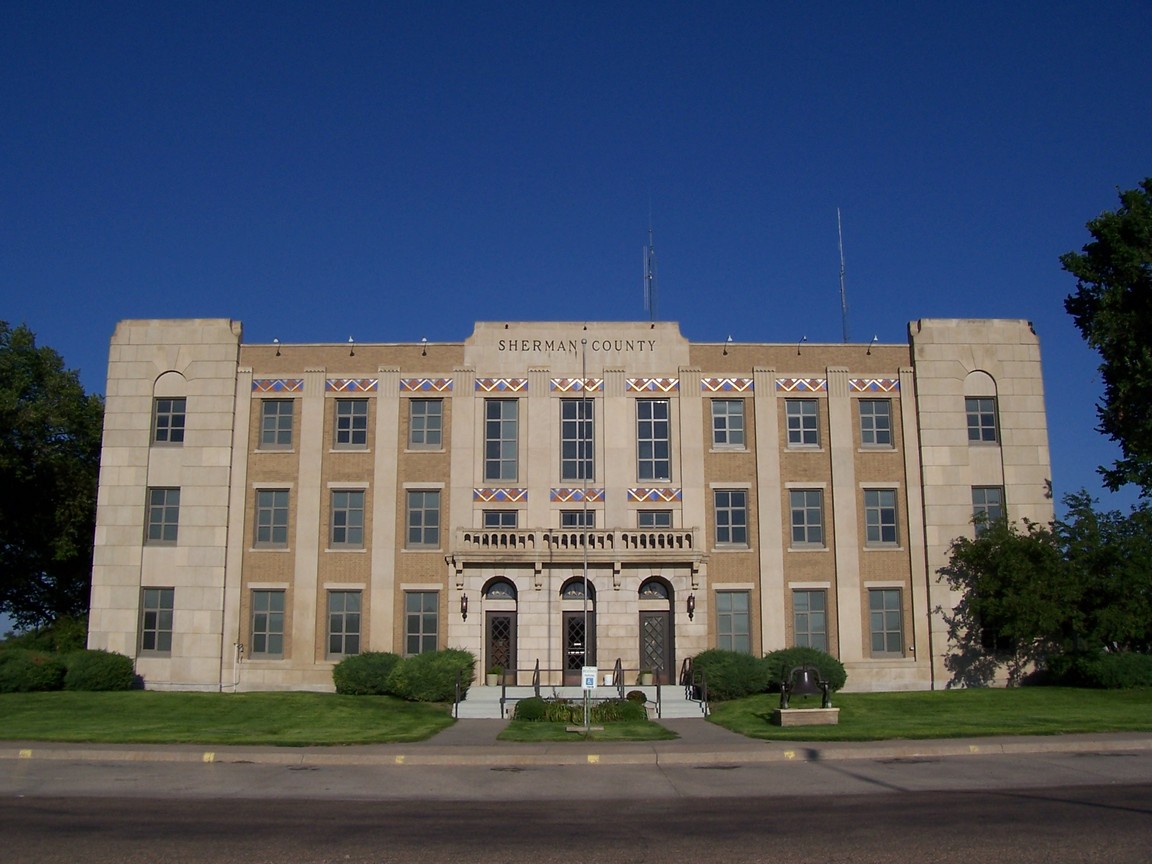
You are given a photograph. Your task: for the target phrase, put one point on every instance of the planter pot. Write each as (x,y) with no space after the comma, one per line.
(646,679)
(492,680)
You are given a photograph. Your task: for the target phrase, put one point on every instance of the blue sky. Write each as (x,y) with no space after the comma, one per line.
(398,170)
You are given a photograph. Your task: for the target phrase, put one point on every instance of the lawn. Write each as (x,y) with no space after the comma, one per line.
(641,730)
(949,714)
(149,717)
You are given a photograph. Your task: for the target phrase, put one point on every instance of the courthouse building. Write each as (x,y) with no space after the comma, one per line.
(552,494)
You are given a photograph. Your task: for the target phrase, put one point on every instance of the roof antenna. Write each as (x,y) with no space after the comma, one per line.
(650,275)
(843,295)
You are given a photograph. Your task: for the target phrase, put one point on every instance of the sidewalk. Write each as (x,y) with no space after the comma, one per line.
(473,742)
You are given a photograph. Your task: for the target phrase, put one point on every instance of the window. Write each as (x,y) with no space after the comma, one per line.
(168,416)
(352,423)
(276,424)
(803,426)
(500,518)
(424,519)
(654,455)
(981,419)
(731,517)
(163,516)
(728,423)
(653,518)
(987,505)
(880,517)
(807,517)
(348,519)
(875,422)
(267,624)
(732,622)
(886,622)
(272,517)
(421,617)
(343,623)
(577,518)
(425,424)
(576,437)
(156,605)
(501,433)
(810,619)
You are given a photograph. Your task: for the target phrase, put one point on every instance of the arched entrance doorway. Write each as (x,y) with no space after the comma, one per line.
(500,627)
(657,642)
(577,631)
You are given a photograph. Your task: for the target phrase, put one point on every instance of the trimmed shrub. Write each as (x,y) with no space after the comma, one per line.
(533,709)
(618,711)
(364,674)
(26,671)
(637,696)
(431,677)
(98,670)
(1105,670)
(730,674)
(777,664)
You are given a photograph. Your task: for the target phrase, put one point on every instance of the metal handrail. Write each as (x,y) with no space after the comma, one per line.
(618,678)
(456,698)
(536,679)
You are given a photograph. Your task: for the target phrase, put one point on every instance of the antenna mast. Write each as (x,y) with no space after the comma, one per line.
(650,277)
(843,295)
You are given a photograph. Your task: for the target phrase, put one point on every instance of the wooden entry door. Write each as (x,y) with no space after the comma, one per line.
(500,642)
(656,649)
(579,648)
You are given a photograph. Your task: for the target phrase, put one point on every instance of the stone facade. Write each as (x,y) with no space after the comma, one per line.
(332,499)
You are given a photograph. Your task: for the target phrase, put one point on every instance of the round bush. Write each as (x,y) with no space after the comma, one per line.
(729,674)
(431,677)
(98,670)
(25,671)
(364,674)
(637,696)
(777,664)
(531,709)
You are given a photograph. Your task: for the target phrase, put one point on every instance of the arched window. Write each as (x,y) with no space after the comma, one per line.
(574,590)
(653,589)
(501,589)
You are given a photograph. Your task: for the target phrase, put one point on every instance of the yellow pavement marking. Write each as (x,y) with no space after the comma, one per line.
(972,748)
(400,760)
(25,754)
(789,754)
(593,759)
(208,757)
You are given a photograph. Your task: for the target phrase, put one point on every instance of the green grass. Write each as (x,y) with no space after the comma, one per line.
(149,717)
(949,714)
(641,730)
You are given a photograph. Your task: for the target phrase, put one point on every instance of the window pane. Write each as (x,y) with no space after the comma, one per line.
(343,623)
(276,423)
(352,423)
(727,422)
(576,439)
(875,422)
(421,610)
(802,422)
(653,442)
(731,512)
(981,413)
(732,621)
(807,517)
(424,518)
(168,418)
(426,423)
(501,439)
(809,618)
(163,516)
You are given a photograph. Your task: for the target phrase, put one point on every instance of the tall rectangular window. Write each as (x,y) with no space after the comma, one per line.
(731,517)
(728,423)
(807,506)
(343,623)
(733,627)
(267,624)
(499,518)
(423,519)
(803,422)
(156,610)
(885,617)
(576,439)
(810,619)
(880,517)
(653,440)
(348,518)
(276,424)
(168,417)
(987,505)
(501,438)
(981,413)
(421,621)
(425,424)
(163,516)
(653,518)
(875,422)
(272,517)
(352,423)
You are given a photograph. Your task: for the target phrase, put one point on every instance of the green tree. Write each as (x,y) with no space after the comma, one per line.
(1112,308)
(49,459)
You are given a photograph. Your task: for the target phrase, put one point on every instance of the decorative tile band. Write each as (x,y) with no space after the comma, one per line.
(425,385)
(873,385)
(350,385)
(577,385)
(277,385)
(666,496)
(502,385)
(802,385)
(651,385)
(726,385)
(502,496)
(567,496)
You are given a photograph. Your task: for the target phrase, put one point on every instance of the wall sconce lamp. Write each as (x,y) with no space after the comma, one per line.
(423,346)
(803,339)
(276,342)
(691,606)
(870,344)
(464,607)
(727,342)
(351,347)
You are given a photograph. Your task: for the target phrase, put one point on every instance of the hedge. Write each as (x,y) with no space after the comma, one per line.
(365,674)
(730,674)
(24,671)
(537,710)
(1105,670)
(782,662)
(431,677)
(98,670)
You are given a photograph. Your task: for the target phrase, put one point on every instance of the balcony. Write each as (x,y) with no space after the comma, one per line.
(476,545)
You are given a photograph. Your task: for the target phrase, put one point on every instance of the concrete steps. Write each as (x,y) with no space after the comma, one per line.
(483,703)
